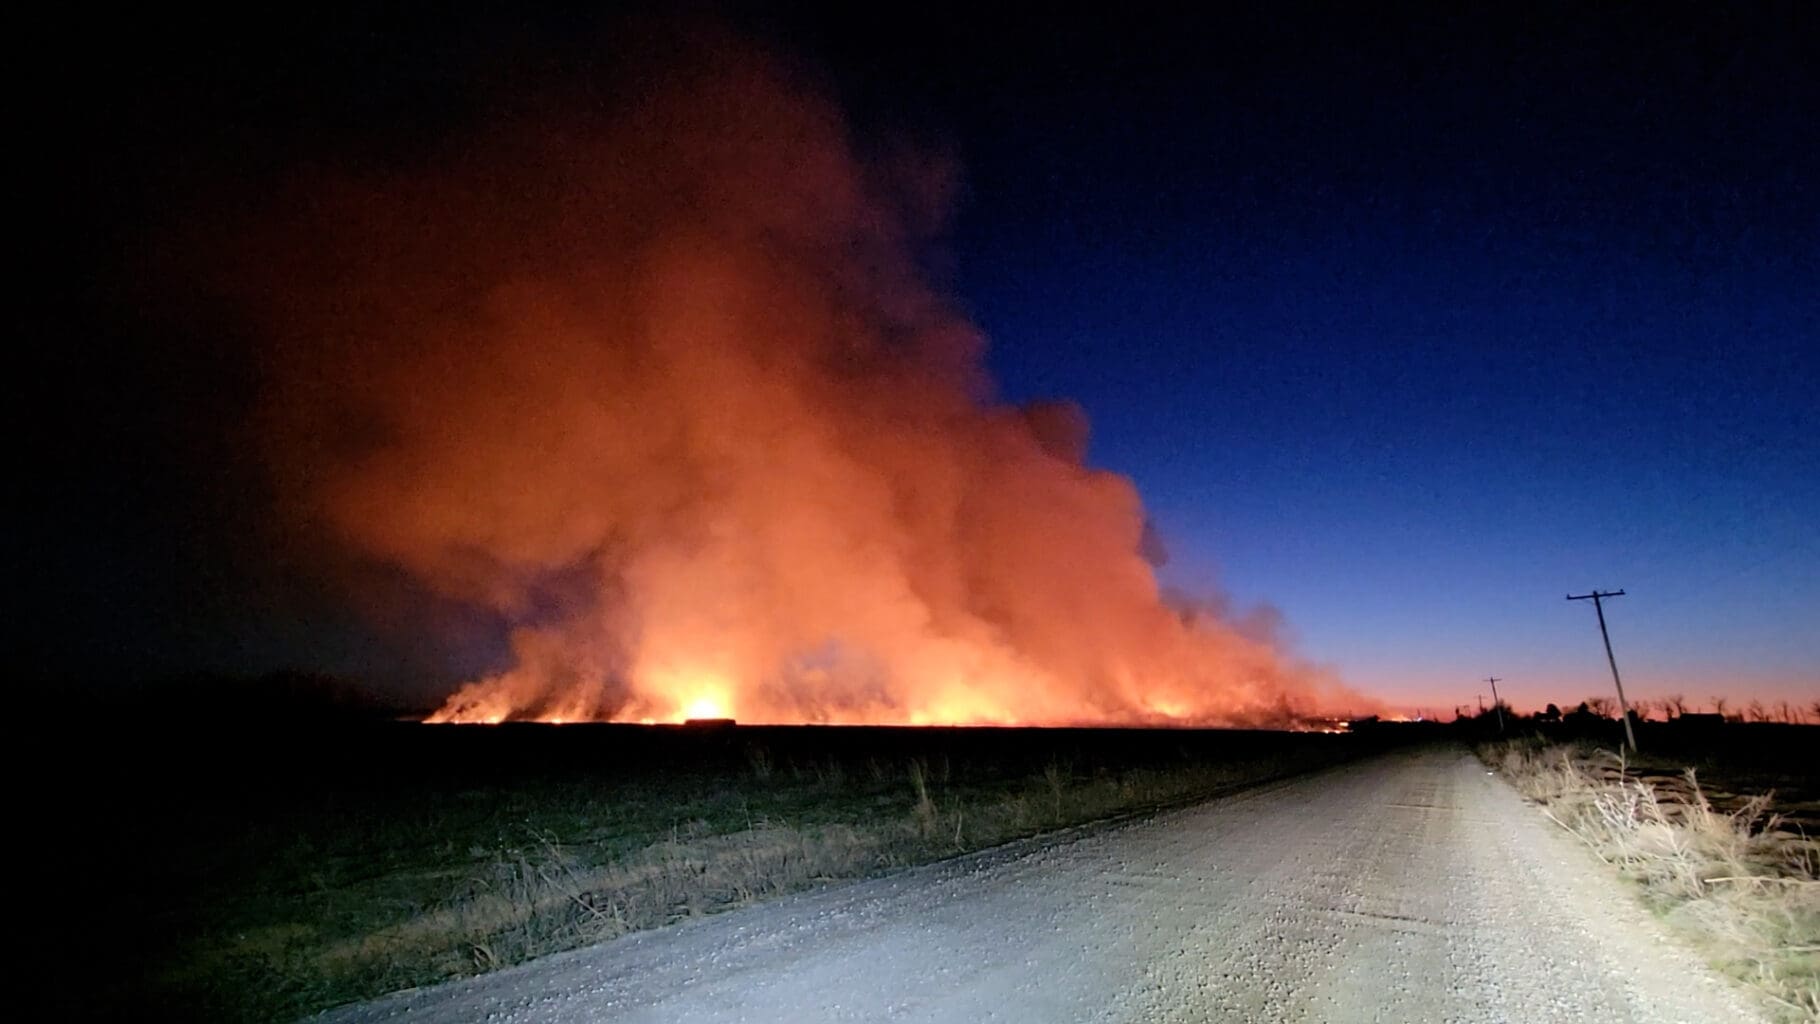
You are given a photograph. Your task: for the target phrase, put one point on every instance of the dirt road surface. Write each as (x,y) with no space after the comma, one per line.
(1413,887)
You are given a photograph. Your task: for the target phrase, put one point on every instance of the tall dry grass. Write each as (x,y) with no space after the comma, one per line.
(1744,888)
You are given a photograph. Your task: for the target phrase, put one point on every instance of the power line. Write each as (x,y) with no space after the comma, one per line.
(1597,597)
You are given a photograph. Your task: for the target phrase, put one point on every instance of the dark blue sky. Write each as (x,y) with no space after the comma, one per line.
(1409,329)
(1415,459)
(1405,321)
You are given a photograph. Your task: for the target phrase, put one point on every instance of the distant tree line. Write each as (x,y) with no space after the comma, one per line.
(1596,710)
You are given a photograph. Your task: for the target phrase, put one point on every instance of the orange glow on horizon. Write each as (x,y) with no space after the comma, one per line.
(957,709)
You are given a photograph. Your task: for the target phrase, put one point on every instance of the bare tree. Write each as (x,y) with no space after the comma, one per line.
(1815,709)
(1719,706)
(1785,712)
(1676,704)
(1601,706)
(1756,712)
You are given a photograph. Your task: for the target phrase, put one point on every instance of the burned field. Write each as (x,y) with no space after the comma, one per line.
(1738,762)
(1734,762)
(279,872)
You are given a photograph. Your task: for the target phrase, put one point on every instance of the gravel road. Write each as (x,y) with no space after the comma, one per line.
(1412,887)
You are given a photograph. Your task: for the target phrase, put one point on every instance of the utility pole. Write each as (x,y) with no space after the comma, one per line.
(1481,698)
(1495,703)
(1623,706)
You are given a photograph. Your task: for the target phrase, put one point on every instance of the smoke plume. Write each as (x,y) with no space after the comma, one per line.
(661,380)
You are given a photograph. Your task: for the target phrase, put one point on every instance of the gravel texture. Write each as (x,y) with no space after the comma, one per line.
(1412,887)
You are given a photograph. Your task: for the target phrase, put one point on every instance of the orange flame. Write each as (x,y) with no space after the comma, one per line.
(676,404)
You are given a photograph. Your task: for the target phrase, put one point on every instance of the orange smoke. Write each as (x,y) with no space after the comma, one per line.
(666,388)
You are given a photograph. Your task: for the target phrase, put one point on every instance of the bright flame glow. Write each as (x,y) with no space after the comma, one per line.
(706,707)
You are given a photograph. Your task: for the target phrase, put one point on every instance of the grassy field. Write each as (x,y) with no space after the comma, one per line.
(1698,824)
(276,873)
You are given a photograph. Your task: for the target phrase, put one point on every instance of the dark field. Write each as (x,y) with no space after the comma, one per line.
(269,873)
(1733,762)
(1737,761)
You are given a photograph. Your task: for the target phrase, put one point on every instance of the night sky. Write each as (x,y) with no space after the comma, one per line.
(1406,323)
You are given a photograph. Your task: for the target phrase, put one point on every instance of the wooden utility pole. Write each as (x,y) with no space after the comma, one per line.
(1597,596)
(1496,705)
